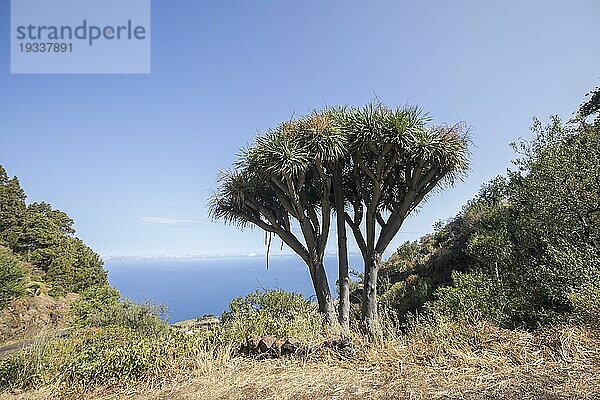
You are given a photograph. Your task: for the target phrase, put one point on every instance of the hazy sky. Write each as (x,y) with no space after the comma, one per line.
(134,158)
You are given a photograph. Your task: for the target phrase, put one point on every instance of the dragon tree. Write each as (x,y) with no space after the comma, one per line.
(395,160)
(281,185)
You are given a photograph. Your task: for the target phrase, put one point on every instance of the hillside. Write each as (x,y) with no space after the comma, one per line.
(484,362)
(35,313)
(501,301)
(43,265)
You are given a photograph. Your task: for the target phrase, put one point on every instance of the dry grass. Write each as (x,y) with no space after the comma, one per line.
(452,362)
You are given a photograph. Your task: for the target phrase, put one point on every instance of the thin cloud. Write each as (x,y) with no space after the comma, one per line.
(167,221)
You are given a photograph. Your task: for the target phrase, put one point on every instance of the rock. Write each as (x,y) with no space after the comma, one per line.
(265,344)
(269,347)
(276,348)
(250,347)
(272,347)
(244,349)
(252,342)
(342,346)
(290,346)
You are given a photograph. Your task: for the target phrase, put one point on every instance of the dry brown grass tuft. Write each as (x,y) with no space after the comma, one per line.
(448,362)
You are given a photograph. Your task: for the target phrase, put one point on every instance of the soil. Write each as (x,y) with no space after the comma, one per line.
(28,317)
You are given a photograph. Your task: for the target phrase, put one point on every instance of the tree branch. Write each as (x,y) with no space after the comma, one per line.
(380,219)
(357,234)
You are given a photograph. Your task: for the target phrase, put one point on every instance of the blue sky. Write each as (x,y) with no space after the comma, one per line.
(134,158)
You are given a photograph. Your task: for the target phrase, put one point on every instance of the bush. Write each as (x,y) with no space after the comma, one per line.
(115,343)
(112,355)
(558,288)
(586,304)
(476,296)
(116,355)
(271,312)
(32,366)
(101,306)
(531,238)
(406,296)
(12,283)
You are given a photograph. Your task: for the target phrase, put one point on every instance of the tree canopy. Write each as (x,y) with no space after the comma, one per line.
(395,160)
(378,162)
(526,249)
(44,236)
(283,178)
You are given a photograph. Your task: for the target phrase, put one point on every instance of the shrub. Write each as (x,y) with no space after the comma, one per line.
(476,296)
(271,312)
(116,355)
(33,366)
(111,355)
(101,306)
(586,304)
(12,283)
(406,296)
(532,238)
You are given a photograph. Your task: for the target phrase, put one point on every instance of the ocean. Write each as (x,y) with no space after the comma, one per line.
(191,288)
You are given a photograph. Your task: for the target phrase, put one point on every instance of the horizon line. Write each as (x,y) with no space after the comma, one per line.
(206,256)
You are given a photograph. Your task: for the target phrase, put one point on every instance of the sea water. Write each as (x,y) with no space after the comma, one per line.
(191,288)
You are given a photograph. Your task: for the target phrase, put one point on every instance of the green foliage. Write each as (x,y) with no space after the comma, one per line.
(586,304)
(116,355)
(474,297)
(106,350)
(12,283)
(111,355)
(528,244)
(543,239)
(557,189)
(381,162)
(591,107)
(74,267)
(41,229)
(43,236)
(552,226)
(294,146)
(271,312)
(489,248)
(405,297)
(102,306)
(403,262)
(12,204)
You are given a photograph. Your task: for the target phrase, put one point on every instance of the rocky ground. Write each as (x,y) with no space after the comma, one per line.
(33,315)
